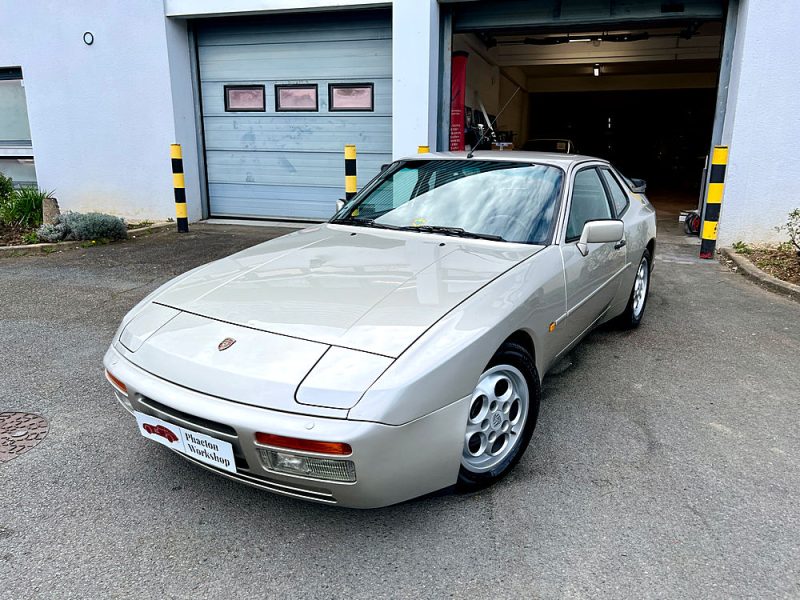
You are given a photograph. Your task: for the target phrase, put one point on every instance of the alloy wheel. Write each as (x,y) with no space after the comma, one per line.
(497,414)
(640,288)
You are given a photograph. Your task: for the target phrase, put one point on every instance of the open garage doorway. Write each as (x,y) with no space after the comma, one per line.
(661,136)
(636,86)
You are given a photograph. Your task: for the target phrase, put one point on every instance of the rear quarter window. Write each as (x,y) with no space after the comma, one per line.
(618,195)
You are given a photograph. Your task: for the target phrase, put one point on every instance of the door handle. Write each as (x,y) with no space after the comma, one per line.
(620,244)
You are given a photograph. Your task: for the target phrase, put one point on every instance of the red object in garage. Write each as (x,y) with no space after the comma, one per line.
(458,84)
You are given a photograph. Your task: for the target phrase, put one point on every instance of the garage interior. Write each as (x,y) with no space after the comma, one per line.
(638,92)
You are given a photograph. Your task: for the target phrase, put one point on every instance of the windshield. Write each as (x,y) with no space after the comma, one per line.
(506,201)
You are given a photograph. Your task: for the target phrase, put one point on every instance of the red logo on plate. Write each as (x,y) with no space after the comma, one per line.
(225,344)
(162,431)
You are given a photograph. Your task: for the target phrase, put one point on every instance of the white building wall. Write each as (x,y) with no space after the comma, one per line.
(762,126)
(415,75)
(101,116)
(184,115)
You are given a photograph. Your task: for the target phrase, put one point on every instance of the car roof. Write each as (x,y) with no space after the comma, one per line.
(545,158)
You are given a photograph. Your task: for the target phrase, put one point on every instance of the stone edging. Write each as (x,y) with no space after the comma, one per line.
(27,248)
(752,272)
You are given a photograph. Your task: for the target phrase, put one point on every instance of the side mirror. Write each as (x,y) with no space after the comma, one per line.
(639,186)
(384,166)
(339,204)
(600,232)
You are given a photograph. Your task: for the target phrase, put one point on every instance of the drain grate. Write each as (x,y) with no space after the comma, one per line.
(19,432)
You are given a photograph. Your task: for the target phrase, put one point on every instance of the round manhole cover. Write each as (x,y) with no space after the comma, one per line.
(19,432)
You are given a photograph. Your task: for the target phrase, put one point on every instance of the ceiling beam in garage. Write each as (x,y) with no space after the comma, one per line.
(523,14)
(513,51)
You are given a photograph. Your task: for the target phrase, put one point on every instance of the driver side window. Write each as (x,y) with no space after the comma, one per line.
(589,202)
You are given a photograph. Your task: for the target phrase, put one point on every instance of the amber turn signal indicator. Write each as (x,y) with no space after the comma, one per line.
(301,445)
(117,383)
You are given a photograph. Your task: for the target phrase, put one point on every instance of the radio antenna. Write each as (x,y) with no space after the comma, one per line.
(491,125)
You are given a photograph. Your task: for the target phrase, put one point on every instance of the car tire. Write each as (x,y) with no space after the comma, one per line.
(637,301)
(510,381)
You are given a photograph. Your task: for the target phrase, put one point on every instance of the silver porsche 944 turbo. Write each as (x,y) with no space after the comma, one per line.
(397,349)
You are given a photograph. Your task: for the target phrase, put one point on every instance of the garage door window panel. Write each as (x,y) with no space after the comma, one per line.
(351,97)
(618,195)
(589,202)
(296,98)
(244,98)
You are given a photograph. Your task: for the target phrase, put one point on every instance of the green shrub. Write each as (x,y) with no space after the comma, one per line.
(6,188)
(84,226)
(52,233)
(30,238)
(95,226)
(793,228)
(23,207)
(741,248)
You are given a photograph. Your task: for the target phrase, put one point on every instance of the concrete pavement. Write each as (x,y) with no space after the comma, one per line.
(665,463)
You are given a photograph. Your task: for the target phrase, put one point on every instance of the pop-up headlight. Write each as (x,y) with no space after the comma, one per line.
(145,324)
(341,377)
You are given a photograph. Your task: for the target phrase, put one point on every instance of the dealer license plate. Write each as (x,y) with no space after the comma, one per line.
(199,446)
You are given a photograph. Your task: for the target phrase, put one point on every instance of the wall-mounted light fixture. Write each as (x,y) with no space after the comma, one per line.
(88,38)
(596,71)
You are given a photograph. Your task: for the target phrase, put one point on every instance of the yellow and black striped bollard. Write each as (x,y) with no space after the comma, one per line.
(349,172)
(179,183)
(716,185)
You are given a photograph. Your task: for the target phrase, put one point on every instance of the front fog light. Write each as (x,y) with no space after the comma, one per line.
(309,466)
(287,462)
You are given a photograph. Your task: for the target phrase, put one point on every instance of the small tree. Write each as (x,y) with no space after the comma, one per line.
(792,227)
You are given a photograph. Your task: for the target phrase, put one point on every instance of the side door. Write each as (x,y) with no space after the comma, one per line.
(592,281)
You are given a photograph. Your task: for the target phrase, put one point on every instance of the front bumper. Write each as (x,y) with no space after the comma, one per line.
(392,463)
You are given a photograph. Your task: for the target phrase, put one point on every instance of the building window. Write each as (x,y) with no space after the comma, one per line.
(301,97)
(351,96)
(20,169)
(245,98)
(16,151)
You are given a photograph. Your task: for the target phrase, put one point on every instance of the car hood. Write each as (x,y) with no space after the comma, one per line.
(365,289)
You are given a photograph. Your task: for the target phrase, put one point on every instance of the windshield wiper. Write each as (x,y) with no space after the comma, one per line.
(364,223)
(454,231)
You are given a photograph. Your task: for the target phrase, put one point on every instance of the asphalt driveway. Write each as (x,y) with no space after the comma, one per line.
(666,462)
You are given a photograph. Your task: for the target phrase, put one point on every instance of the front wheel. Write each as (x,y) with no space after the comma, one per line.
(634,312)
(502,417)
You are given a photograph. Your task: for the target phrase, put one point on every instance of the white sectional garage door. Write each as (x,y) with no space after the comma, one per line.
(285,159)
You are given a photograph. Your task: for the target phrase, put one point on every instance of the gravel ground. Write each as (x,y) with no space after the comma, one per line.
(666,461)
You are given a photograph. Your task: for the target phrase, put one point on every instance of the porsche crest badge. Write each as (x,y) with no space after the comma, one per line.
(225,344)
